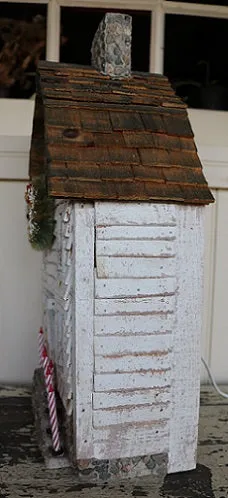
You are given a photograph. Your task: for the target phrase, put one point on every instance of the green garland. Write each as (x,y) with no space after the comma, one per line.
(40,215)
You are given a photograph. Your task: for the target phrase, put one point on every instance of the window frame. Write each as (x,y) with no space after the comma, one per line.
(158,9)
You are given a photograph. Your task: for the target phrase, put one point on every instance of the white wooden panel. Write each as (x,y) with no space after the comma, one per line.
(186,340)
(135,248)
(134,213)
(116,443)
(83,347)
(134,324)
(116,345)
(110,267)
(127,363)
(130,415)
(156,304)
(219,343)
(143,380)
(209,267)
(117,288)
(130,398)
(136,232)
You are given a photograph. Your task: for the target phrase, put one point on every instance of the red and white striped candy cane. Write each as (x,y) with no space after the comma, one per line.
(41,345)
(53,419)
(48,375)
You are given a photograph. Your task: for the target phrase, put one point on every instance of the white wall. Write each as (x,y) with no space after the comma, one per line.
(20,282)
(211,129)
(20,266)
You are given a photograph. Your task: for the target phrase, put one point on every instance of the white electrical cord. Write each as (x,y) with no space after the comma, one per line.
(224,395)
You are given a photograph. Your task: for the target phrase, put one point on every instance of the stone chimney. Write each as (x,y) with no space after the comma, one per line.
(111,47)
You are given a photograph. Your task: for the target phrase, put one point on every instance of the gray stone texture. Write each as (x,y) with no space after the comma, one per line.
(111,47)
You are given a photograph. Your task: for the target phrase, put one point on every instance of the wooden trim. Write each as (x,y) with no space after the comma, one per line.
(53,31)
(186,340)
(157,40)
(209,278)
(194,9)
(83,334)
(112,4)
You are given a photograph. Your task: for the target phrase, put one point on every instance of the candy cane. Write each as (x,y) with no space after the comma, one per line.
(48,375)
(41,345)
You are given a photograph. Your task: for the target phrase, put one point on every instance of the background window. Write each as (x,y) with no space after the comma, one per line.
(80,25)
(22,44)
(195,60)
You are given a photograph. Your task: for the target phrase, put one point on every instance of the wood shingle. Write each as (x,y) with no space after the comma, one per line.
(101,139)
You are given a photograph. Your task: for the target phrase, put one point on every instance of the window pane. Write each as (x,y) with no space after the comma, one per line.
(22,44)
(195,60)
(80,25)
(205,2)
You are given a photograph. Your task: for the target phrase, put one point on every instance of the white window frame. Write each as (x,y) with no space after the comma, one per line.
(158,9)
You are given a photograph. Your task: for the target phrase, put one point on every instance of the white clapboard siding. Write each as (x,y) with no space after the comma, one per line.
(132,363)
(135,248)
(129,398)
(135,213)
(136,232)
(142,380)
(134,324)
(130,415)
(128,267)
(129,287)
(117,345)
(156,304)
(119,443)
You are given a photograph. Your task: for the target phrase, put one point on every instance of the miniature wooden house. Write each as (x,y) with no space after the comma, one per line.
(122,285)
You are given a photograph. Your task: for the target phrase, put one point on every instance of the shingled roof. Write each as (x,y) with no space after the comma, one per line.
(97,138)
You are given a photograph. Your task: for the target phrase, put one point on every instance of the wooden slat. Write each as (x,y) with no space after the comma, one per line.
(186,340)
(135,232)
(134,324)
(131,363)
(135,248)
(121,399)
(118,288)
(144,380)
(117,346)
(111,267)
(150,305)
(135,213)
(130,415)
(83,345)
(113,442)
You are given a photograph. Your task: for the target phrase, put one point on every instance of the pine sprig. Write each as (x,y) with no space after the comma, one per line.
(40,215)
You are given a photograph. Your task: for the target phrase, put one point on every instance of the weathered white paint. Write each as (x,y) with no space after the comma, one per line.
(142,380)
(142,305)
(111,288)
(134,213)
(149,440)
(133,324)
(114,345)
(131,363)
(131,415)
(112,267)
(130,398)
(83,315)
(58,279)
(186,340)
(135,248)
(136,232)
